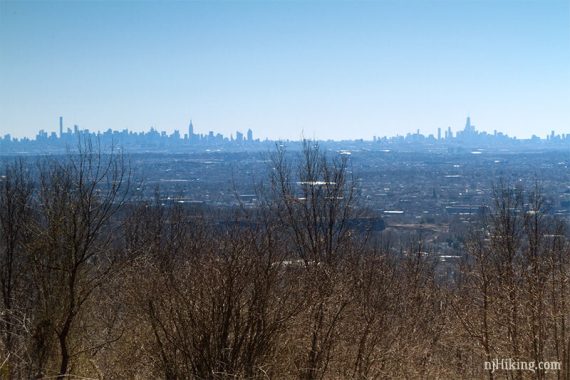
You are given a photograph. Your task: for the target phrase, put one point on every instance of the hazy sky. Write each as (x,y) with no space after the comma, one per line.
(340,69)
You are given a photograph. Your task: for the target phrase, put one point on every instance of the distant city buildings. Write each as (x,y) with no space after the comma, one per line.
(149,140)
(468,138)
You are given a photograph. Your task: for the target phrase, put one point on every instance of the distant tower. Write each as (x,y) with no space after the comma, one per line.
(191,131)
(249,135)
(439,133)
(468,127)
(60,126)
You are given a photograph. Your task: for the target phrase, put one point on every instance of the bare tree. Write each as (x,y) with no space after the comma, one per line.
(535,258)
(558,294)
(514,282)
(315,204)
(15,215)
(474,304)
(72,255)
(219,311)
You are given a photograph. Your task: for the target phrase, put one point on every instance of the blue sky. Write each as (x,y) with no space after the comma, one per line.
(324,69)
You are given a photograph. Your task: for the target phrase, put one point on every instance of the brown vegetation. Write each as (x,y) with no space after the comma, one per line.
(95,285)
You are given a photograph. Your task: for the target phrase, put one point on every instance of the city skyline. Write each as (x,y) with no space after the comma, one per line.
(193,140)
(440,133)
(322,70)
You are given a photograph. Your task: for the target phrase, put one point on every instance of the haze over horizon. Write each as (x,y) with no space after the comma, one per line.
(330,70)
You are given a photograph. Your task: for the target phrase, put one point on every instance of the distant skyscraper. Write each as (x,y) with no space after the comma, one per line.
(470,129)
(249,135)
(239,136)
(60,126)
(439,133)
(190,131)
